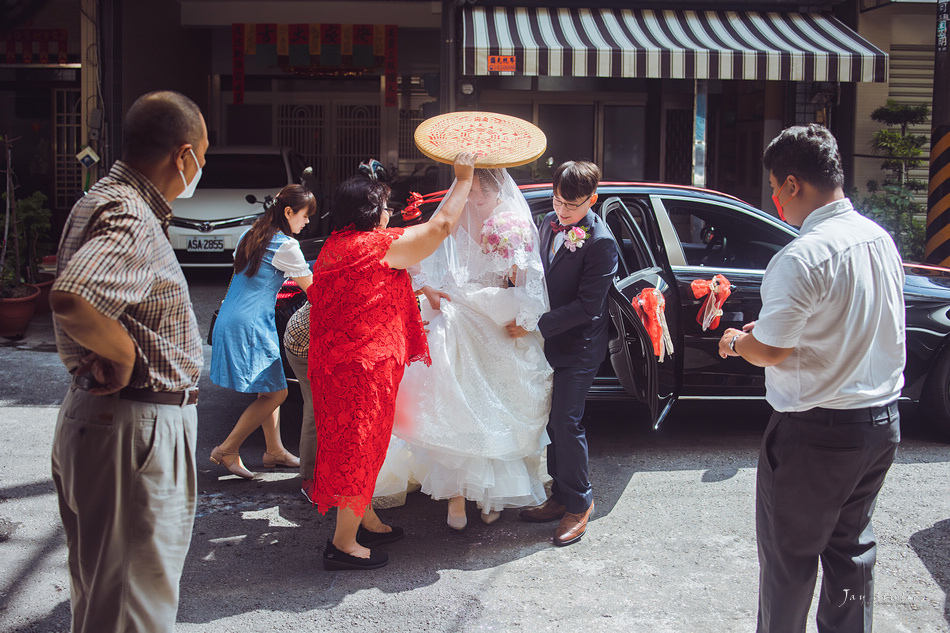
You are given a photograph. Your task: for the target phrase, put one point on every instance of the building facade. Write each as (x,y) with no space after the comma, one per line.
(682,92)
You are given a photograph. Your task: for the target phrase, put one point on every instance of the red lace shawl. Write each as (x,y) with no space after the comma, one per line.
(362,310)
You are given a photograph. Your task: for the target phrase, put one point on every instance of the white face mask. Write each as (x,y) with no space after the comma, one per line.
(190,187)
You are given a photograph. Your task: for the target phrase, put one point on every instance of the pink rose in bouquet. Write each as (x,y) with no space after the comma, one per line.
(505,233)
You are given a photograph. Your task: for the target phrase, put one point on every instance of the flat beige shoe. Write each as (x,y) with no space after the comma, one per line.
(231,461)
(285,460)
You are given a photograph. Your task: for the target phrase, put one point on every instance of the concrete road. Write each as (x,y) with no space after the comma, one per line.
(671,547)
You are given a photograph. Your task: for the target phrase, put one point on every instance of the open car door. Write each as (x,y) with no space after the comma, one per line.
(632,350)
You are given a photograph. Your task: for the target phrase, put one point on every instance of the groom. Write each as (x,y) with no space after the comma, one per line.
(580,260)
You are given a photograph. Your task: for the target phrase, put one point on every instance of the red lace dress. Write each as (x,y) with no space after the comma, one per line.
(365,327)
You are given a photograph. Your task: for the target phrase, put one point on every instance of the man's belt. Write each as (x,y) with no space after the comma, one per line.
(847,416)
(177,398)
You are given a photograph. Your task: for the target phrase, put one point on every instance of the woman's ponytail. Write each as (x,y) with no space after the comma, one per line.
(250,251)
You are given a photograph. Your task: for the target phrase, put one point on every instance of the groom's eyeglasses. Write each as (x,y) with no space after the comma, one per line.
(570,206)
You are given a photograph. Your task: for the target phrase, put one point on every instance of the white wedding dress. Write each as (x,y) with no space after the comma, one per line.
(473,423)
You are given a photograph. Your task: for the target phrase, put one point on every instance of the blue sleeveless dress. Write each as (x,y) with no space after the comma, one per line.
(245,350)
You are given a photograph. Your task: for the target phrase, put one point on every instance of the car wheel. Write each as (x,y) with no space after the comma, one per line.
(935,398)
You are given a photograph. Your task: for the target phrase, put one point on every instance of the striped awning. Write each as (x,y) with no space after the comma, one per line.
(561,42)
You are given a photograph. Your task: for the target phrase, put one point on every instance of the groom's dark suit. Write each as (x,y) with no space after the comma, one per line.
(575,343)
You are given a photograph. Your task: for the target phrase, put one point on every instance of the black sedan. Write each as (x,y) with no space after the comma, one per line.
(670,236)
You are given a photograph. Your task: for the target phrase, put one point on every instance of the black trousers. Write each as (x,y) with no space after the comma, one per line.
(567,453)
(819,475)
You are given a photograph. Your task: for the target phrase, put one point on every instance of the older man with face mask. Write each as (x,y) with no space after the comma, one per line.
(124,446)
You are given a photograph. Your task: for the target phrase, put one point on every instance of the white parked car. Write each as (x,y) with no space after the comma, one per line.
(206,227)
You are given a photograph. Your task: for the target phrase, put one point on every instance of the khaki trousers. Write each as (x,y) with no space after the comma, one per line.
(125,477)
(308,427)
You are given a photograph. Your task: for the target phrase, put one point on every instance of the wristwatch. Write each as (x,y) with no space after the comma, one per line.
(732,343)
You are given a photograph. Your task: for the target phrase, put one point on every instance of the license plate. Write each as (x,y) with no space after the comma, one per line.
(205,245)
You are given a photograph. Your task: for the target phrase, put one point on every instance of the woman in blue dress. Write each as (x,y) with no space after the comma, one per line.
(245,351)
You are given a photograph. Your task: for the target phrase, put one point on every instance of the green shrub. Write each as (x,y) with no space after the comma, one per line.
(895,209)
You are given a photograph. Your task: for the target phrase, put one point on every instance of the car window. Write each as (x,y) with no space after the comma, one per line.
(638,209)
(625,224)
(540,206)
(244,171)
(724,236)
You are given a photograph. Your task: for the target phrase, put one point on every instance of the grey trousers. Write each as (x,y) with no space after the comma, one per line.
(818,479)
(308,427)
(125,476)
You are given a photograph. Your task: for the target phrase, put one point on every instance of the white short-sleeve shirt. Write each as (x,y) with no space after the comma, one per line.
(289,260)
(834,295)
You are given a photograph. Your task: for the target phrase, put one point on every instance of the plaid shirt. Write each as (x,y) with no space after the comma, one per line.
(115,254)
(297,334)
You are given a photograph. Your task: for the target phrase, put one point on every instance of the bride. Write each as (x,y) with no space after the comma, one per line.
(475,420)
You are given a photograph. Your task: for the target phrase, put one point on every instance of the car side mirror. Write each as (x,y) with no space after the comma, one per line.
(251,199)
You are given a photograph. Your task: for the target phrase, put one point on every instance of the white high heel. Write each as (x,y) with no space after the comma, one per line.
(457,521)
(490,517)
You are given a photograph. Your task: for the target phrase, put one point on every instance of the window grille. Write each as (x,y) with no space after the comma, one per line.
(409,120)
(301,127)
(814,102)
(357,139)
(67,124)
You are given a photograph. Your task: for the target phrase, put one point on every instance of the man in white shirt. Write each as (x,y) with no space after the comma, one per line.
(831,338)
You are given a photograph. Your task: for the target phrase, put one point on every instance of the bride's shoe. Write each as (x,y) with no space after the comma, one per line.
(457,520)
(490,517)
(231,461)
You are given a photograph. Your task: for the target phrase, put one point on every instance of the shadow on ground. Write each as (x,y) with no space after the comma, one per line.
(933,547)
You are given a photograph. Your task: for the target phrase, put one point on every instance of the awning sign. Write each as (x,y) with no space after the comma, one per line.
(501,63)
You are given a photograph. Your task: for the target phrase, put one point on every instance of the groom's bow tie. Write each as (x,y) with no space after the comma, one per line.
(560,228)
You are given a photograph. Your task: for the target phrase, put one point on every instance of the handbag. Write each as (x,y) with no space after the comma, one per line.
(214,317)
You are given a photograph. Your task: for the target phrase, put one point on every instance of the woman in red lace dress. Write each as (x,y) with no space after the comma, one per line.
(365,327)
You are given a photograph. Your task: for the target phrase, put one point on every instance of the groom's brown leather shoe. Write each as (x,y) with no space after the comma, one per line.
(572,527)
(550,510)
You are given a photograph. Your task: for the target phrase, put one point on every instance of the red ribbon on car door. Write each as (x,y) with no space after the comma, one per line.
(716,291)
(651,308)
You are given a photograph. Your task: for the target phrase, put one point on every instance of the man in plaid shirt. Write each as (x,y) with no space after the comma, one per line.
(124,447)
(297,346)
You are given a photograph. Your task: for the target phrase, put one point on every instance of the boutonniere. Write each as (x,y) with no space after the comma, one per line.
(575,237)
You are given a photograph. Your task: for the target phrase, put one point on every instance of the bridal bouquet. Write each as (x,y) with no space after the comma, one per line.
(505,233)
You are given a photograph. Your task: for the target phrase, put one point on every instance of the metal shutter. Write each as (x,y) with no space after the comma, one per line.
(911,82)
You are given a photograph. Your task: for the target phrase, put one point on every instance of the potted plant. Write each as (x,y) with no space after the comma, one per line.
(17,297)
(33,222)
(893,204)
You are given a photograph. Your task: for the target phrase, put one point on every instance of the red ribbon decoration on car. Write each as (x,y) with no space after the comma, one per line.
(716,291)
(651,308)
(411,212)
